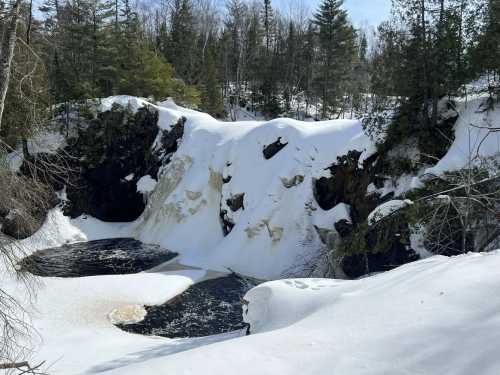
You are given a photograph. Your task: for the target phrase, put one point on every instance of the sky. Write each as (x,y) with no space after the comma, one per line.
(361,12)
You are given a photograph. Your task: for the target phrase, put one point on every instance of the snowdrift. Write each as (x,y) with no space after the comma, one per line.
(436,316)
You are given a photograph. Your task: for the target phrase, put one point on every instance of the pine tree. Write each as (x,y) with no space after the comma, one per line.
(336,47)
(182,41)
(211,99)
(485,55)
(253,56)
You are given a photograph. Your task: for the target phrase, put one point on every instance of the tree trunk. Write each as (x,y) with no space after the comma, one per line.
(7,54)
(437,71)
(425,65)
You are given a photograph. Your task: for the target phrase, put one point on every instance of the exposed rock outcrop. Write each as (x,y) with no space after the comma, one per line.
(270,150)
(361,249)
(106,158)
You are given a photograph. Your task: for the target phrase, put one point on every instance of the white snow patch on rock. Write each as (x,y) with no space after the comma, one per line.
(146,184)
(387,209)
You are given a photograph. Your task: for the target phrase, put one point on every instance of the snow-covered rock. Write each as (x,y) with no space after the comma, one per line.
(265,198)
(386,209)
(473,140)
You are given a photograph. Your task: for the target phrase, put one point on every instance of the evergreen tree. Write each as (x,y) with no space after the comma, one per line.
(211,99)
(182,41)
(485,56)
(336,47)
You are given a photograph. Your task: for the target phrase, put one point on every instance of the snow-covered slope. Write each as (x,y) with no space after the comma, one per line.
(473,139)
(218,162)
(436,316)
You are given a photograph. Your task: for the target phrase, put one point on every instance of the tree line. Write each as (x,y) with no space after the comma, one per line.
(245,55)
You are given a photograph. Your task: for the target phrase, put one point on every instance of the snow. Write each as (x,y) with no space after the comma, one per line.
(276,227)
(48,142)
(58,230)
(72,316)
(128,314)
(131,102)
(436,316)
(326,219)
(386,209)
(129,177)
(15,161)
(472,139)
(417,242)
(439,315)
(146,184)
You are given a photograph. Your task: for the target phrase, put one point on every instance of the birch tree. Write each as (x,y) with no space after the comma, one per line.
(7,53)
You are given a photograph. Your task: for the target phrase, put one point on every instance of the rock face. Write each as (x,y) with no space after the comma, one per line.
(385,247)
(362,249)
(23,205)
(348,184)
(113,146)
(106,158)
(170,139)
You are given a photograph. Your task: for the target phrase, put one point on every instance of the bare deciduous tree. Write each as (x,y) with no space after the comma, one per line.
(7,53)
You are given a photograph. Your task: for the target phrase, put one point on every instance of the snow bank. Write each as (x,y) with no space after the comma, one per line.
(436,316)
(273,226)
(74,330)
(472,138)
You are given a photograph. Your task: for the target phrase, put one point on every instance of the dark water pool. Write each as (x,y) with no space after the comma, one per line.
(103,257)
(207,308)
